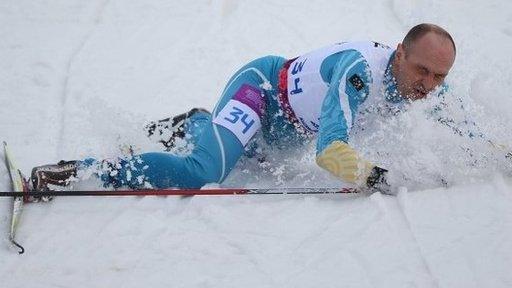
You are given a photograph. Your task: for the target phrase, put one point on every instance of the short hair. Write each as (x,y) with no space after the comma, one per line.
(420,30)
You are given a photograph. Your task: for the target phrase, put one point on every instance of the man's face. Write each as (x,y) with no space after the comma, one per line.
(422,67)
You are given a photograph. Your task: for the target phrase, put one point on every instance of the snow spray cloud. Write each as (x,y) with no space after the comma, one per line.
(435,142)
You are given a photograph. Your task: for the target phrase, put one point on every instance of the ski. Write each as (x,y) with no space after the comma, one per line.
(187,192)
(20,190)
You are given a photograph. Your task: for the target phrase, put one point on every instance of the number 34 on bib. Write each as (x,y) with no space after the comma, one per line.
(240,119)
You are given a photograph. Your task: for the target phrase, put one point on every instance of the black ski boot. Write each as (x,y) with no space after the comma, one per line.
(167,130)
(59,174)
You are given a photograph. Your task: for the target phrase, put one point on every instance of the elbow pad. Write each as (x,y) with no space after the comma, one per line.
(343,161)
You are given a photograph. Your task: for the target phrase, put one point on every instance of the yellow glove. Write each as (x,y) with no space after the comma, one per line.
(343,161)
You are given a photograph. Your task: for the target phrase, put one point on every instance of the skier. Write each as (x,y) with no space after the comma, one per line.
(318,94)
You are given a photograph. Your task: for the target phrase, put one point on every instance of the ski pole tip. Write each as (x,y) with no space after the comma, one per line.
(22,250)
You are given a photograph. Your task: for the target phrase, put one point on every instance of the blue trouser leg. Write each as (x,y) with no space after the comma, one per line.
(217,147)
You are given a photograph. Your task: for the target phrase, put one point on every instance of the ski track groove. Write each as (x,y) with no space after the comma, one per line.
(401,201)
(65,85)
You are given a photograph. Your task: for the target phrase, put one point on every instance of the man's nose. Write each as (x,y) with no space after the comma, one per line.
(429,82)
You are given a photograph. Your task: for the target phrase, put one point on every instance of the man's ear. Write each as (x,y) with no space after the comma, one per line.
(400,53)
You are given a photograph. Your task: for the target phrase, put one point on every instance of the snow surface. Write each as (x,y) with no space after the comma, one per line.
(81,78)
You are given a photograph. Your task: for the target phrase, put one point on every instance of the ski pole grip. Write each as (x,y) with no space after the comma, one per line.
(377,176)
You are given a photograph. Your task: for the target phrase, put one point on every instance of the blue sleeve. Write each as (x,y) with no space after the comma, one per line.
(350,76)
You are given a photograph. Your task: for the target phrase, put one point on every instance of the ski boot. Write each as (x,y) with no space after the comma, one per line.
(42,177)
(169,129)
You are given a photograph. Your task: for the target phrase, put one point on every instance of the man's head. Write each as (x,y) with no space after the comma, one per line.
(423,60)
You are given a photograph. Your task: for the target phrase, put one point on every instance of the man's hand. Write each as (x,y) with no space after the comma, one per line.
(502,148)
(344,162)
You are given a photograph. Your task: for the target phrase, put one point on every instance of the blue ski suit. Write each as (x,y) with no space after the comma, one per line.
(315,95)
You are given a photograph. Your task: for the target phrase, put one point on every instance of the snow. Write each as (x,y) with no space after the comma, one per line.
(81,78)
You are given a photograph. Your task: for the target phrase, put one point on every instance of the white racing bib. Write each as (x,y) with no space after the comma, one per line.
(307,89)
